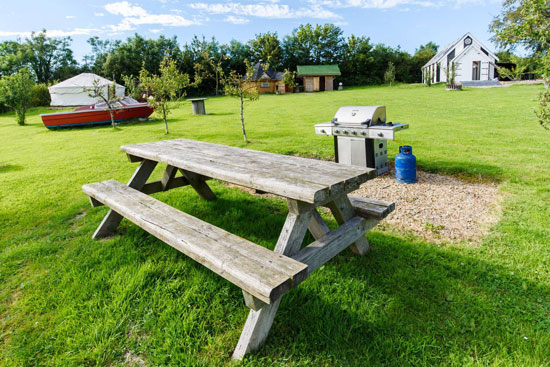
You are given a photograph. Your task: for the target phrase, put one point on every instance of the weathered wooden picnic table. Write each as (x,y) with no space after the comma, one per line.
(262,274)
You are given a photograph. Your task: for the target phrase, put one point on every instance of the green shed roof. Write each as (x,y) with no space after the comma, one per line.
(304,70)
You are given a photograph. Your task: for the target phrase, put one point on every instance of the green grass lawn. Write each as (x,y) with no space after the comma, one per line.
(66,300)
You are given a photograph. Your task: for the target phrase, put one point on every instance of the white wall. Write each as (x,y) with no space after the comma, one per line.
(464,71)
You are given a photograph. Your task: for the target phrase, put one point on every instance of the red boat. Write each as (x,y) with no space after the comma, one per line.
(95,114)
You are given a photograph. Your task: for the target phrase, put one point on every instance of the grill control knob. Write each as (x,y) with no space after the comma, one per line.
(336,131)
(363,133)
(381,135)
(323,131)
(345,132)
(354,132)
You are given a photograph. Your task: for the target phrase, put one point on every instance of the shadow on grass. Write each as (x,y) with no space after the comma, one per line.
(220,113)
(406,303)
(10,168)
(407,300)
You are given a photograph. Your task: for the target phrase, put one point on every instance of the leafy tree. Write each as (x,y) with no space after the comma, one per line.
(289,78)
(266,47)
(12,57)
(165,86)
(356,64)
(422,55)
(389,75)
(242,87)
(106,94)
(526,23)
(321,44)
(128,57)
(213,65)
(49,58)
(516,72)
(100,50)
(16,93)
(206,58)
(133,88)
(238,52)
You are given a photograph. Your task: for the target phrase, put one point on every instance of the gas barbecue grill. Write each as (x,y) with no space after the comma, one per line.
(360,136)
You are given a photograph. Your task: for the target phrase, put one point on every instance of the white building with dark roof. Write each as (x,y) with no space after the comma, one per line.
(474,61)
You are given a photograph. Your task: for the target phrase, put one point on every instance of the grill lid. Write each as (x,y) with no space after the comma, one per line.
(360,115)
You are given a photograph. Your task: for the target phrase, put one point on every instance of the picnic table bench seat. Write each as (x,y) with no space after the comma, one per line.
(257,270)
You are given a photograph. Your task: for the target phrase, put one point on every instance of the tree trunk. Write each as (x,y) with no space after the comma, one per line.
(165,121)
(217,82)
(112,117)
(242,120)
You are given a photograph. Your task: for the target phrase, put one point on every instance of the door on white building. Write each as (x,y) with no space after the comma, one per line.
(476,68)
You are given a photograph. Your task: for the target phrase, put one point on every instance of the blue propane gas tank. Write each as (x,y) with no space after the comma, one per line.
(405,165)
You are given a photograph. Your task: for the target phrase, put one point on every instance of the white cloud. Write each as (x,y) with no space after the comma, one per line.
(155,30)
(265,10)
(54,32)
(371,4)
(134,15)
(236,20)
(70,16)
(99,14)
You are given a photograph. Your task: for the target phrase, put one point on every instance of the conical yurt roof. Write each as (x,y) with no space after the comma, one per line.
(82,80)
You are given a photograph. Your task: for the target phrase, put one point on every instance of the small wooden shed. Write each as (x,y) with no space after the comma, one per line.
(318,78)
(267,80)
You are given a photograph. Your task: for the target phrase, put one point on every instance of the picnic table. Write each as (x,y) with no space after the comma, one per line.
(263,275)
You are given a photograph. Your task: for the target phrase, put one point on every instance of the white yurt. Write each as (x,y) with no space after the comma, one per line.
(74,91)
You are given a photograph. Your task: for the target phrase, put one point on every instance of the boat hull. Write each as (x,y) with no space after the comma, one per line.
(94,117)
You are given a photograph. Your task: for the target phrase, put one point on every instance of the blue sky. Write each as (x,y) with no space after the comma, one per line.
(408,23)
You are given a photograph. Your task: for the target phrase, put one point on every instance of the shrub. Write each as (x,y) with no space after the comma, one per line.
(543,112)
(40,96)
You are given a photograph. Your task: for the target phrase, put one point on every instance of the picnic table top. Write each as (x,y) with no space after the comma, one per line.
(304,179)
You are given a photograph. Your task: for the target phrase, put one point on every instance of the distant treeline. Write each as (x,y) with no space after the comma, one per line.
(361,61)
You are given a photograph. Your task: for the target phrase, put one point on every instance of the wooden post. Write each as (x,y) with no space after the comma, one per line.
(259,322)
(199,184)
(111,221)
(342,210)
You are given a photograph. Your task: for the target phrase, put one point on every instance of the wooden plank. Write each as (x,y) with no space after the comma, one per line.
(342,210)
(240,176)
(263,273)
(324,172)
(252,302)
(292,167)
(370,208)
(257,166)
(317,226)
(168,176)
(330,245)
(111,221)
(259,322)
(199,184)
(157,186)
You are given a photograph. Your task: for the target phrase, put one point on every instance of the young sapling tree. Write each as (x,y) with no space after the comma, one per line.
(16,93)
(165,87)
(105,93)
(243,87)
(389,75)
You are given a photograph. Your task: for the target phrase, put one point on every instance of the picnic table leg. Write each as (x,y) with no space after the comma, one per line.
(199,184)
(112,219)
(290,240)
(342,210)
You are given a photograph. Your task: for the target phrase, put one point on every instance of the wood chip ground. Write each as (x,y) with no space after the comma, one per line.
(438,207)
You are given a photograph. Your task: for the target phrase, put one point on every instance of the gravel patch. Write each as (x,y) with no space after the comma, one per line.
(437,208)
